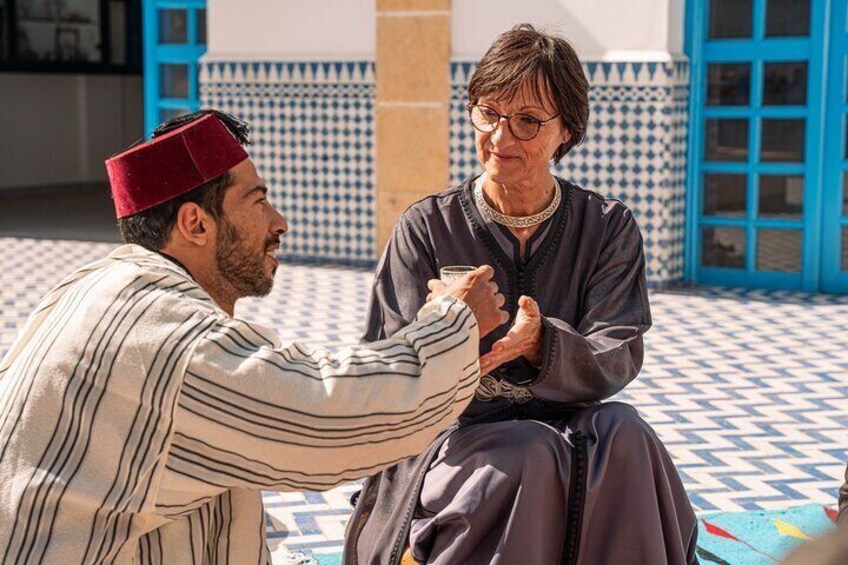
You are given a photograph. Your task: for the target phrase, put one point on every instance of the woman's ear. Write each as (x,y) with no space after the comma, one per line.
(194,224)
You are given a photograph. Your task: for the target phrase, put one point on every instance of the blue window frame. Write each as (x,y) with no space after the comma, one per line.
(756,180)
(835,210)
(174,41)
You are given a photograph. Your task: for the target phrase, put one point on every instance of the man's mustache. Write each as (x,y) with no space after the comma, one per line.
(272,243)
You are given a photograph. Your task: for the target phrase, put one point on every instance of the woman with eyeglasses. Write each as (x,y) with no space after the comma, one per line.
(539,470)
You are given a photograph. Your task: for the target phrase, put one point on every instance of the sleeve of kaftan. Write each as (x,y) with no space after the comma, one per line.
(400,282)
(255,414)
(604,352)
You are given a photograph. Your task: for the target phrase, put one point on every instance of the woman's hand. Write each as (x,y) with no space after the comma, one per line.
(523,339)
(480,293)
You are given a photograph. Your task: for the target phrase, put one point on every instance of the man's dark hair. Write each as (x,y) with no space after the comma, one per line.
(524,55)
(151,228)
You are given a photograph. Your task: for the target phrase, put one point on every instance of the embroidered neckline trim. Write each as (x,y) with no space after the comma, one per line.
(515,221)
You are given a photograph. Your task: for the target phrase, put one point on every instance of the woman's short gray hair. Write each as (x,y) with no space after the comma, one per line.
(548,63)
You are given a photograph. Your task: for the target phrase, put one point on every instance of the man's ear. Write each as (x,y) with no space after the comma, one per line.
(194,224)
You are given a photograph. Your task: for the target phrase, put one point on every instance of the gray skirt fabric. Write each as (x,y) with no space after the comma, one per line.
(506,493)
(593,487)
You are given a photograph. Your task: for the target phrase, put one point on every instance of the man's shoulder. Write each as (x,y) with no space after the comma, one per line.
(127,274)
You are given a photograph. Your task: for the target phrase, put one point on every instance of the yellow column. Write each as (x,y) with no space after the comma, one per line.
(413,96)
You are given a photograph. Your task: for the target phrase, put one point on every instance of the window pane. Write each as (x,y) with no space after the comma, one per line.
(173,26)
(729,18)
(723,247)
(59,31)
(779,250)
(4,32)
(728,84)
(783,140)
(725,194)
(118,32)
(727,140)
(846,139)
(166,114)
(787,17)
(78,33)
(781,196)
(173,81)
(785,84)
(845,193)
(845,248)
(200,14)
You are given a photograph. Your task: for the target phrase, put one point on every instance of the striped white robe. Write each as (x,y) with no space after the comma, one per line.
(138,421)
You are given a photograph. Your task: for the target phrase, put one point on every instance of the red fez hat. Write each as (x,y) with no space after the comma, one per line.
(172,164)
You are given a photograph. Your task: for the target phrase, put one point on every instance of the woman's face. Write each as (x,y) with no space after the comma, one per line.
(509,160)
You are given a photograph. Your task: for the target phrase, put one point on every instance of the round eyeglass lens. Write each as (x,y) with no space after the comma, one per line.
(484,119)
(522,126)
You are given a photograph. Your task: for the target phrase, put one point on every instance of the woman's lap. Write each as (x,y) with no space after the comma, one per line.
(494,484)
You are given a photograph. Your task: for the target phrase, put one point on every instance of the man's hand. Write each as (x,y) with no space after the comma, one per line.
(480,292)
(523,339)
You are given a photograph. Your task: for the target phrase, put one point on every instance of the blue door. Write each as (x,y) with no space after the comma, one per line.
(174,40)
(757,190)
(835,209)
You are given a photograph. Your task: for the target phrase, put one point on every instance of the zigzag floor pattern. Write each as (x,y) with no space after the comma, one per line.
(746,388)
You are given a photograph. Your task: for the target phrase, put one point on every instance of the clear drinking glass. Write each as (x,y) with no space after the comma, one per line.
(450,273)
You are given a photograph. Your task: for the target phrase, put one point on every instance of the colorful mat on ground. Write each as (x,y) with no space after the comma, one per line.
(736,538)
(761,537)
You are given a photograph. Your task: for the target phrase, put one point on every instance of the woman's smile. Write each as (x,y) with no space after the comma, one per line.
(503,156)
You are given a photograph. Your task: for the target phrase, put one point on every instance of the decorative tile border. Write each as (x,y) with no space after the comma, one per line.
(608,73)
(313,125)
(287,72)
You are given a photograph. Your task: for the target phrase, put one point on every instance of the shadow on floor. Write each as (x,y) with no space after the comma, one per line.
(79,212)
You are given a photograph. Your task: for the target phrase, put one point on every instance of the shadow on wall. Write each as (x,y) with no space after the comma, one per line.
(78,211)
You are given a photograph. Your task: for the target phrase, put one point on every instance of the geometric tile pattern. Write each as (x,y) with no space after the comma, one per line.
(748,389)
(313,133)
(312,128)
(634,149)
(749,392)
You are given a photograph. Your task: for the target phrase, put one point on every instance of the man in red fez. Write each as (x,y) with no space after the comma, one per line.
(139,419)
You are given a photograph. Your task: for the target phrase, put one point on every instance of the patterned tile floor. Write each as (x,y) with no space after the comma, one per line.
(748,389)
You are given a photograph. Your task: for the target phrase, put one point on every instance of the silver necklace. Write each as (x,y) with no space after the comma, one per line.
(516,221)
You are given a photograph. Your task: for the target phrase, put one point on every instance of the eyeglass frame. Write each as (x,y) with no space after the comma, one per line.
(508,117)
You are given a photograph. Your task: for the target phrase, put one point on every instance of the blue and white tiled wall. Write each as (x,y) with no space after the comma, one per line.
(313,132)
(313,143)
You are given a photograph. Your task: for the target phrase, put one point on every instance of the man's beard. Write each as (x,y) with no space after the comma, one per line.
(243,268)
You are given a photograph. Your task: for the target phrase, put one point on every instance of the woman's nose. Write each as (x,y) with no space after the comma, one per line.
(501,130)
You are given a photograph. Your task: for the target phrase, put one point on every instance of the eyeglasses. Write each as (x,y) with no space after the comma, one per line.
(523,126)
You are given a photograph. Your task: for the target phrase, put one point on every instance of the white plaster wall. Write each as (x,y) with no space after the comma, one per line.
(59,128)
(617,30)
(291,29)
(676,25)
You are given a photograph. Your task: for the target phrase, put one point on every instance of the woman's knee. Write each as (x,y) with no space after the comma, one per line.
(620,425)
(522,445)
